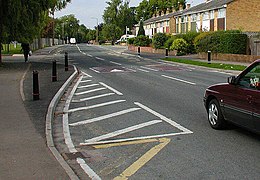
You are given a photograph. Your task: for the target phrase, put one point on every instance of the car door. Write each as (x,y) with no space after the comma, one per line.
(256,110)
(241,101)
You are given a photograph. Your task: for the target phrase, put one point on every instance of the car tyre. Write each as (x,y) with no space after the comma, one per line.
(215,116)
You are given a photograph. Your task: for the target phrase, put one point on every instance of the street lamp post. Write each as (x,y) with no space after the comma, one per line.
(97,29)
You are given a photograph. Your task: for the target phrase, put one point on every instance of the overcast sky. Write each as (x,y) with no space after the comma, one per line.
(88,10)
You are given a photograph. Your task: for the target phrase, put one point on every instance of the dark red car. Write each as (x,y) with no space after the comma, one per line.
(237,101)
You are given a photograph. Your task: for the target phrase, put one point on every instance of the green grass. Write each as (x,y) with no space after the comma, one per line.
(205,64)
(12,50)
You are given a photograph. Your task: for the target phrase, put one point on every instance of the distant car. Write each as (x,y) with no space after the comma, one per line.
(237,101)
(124,38)
(72,40)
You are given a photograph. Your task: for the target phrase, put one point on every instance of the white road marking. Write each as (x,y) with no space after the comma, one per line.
(112,89)
(87,169)
(149,68)
(86,74)
(100,58)
(89,91)
(122,131)
(94,106)
(105,117)
(164,118)
(89,55)
(180,80)
(142,70)
(87,86)
(66,131)
(85,81)
(115,63)
(94,70)
(94,97)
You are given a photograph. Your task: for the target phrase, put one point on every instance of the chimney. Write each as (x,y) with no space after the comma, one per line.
(187,6)
(180,7)
(157,13)
(162,13)
(168,11)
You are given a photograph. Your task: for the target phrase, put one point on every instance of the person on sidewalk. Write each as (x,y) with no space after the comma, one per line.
(26,50)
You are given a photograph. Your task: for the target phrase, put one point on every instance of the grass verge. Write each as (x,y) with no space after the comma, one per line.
(205,64)
(12,49)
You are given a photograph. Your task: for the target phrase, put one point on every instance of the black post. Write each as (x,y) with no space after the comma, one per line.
(66,62)
(209,57)
(36,94)
(166,52)
(54,71)
(139,49)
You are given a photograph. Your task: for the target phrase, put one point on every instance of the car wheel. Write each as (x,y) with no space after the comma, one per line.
(215,115)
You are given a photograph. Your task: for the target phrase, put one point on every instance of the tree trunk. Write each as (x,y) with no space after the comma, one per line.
(1,53)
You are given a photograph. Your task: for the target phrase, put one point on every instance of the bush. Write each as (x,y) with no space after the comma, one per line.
(159,39)
(189,38)
(180,45)
(169,42)
(142,41)
(131,40)
(232,42)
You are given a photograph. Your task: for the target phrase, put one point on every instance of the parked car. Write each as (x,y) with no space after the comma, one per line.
(237,101)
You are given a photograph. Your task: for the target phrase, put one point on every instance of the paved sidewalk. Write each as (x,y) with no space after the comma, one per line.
(24,154)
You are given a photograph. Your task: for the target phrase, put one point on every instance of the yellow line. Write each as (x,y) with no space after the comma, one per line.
(143,160)
(125,143)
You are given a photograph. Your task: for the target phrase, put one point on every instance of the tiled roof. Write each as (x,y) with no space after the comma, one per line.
(213,4)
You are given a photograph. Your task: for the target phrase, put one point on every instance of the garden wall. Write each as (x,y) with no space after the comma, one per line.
(150,50)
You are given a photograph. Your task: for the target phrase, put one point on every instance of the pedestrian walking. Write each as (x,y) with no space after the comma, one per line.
(26,50)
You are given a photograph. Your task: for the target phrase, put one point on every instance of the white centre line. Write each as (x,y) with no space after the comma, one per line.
(112,89)
(90,91)
(94,70)
(149,68)
(122,131)
(105,117)
(142,70)
(115,63)
(100,58)
(89,55)
(87,86)
(180,80)
(95,106)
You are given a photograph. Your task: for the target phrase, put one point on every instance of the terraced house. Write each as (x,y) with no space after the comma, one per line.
(212,15)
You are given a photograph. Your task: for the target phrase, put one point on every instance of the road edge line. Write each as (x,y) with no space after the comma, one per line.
(48,131)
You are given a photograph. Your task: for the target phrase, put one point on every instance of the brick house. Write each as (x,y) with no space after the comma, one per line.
(212,15)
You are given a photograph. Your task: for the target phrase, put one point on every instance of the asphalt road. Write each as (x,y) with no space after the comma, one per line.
(139,118)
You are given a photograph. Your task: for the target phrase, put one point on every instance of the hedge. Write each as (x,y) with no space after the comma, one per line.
(142,41)
(159,39)
(231,42)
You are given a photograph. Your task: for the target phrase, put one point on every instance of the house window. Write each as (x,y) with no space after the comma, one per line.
(193,17)
(167,23)
(198,17)
(211,14)
(222,13)
(161,24)
(205,16)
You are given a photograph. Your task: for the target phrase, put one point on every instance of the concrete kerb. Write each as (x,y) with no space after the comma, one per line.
(49,118)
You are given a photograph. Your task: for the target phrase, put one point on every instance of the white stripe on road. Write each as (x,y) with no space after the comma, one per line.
(87,169)
(89,55)
(142,70)
(122,131)
(86,74)
(94,97)
(90,91)
(87,86)
(105,117)
(149,68)
(94,106)
(115,63)
(100,58)
(94,70)
(112,89)
(85,81)
(164,118)
(180,80)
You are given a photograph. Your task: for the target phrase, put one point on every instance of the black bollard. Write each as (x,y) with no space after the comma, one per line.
(54,71)
(209,57)
(139,49)
(36,94)
(66,62)
(166,52)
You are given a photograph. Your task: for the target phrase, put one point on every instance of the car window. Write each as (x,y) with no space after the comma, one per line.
(251,79)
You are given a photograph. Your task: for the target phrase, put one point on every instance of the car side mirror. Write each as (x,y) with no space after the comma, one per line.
(232,80)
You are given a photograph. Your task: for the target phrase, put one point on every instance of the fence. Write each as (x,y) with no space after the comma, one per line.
(44,42)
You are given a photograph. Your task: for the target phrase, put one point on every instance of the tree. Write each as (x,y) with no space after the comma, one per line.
(111,32)
(141,31)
